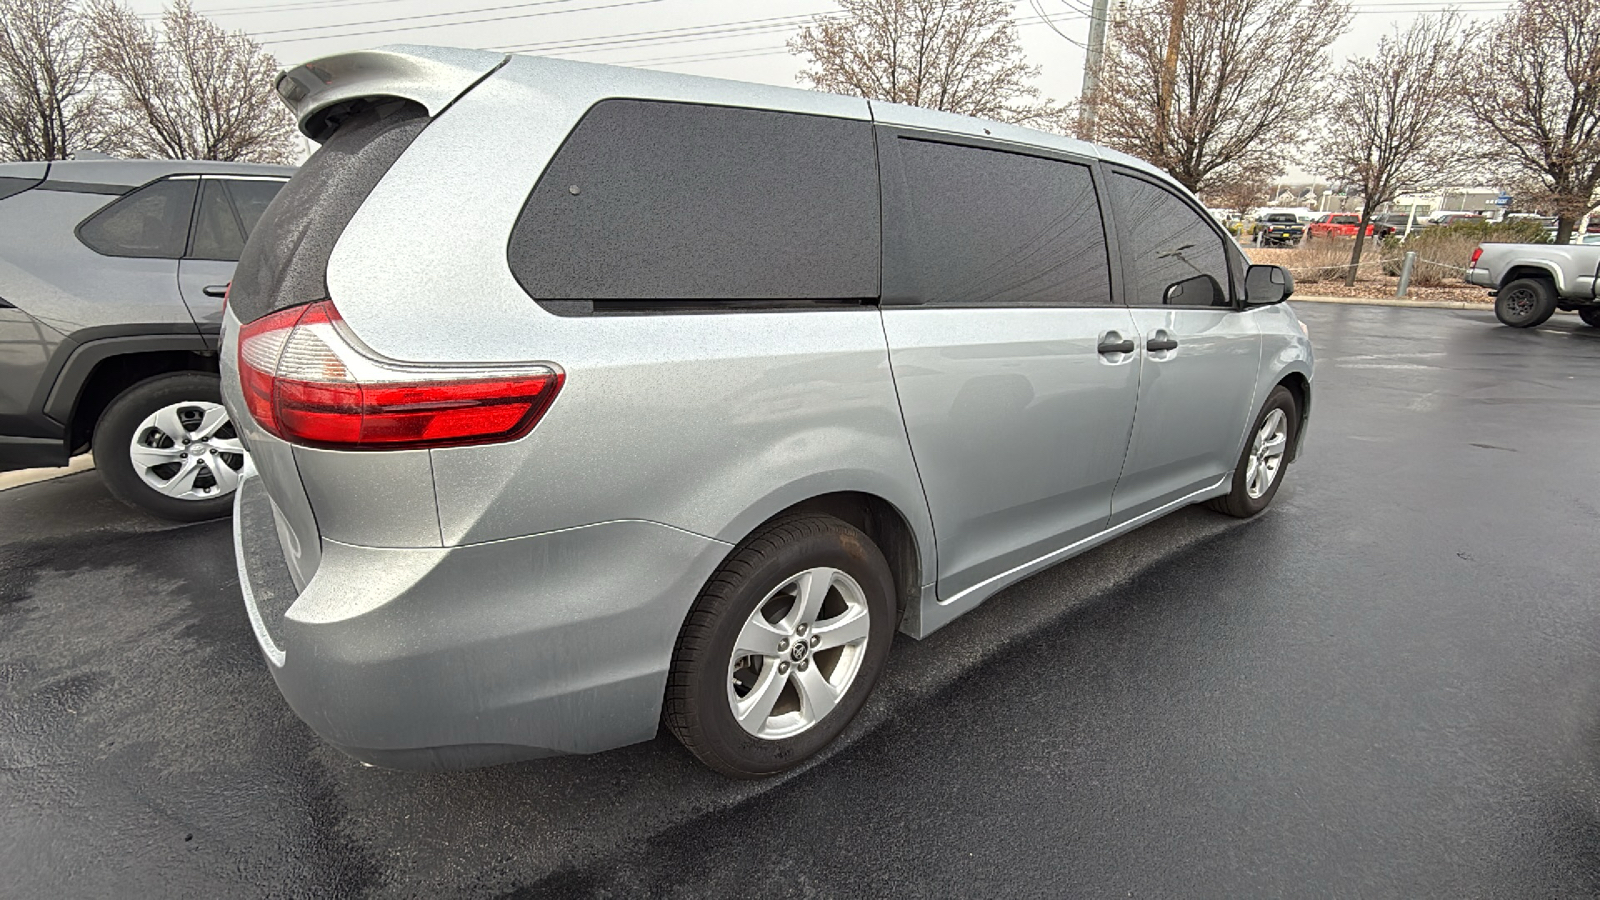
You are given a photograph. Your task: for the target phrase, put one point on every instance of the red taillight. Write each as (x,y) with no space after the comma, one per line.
(1475,254)
(305,380)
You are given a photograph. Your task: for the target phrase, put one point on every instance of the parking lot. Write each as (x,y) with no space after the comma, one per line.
(1388,685)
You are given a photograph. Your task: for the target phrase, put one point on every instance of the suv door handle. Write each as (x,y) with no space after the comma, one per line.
(1112,342)
(1157,344)
(215,290)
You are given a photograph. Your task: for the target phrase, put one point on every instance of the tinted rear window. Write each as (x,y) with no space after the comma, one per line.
(285,261)
(671,201)
(151,222)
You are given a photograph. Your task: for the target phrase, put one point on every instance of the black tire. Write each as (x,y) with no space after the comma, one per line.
(1238,502)
(1590,316)
(697,709)
(114,434)
(1525,303)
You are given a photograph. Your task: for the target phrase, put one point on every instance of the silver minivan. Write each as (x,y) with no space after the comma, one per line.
(583,399)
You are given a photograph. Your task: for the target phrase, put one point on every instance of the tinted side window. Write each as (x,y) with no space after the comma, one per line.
(217,234)
(150,222)
(1178,258)
(671,201)
(986,227)
(250,200)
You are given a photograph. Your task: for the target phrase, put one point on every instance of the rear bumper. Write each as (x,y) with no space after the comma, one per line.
(1479,277)
(445,658)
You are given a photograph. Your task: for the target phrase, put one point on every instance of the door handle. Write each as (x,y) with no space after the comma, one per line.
(215,290)
(1112,342)
(1156,344)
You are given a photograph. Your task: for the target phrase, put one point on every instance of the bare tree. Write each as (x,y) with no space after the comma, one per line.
(1240,196)
(1218,92)
(49,104)
(190,90)
(954,55)
(1394,121)
(1538,96)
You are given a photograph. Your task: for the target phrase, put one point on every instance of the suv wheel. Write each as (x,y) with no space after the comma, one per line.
(1265,459)
(782,647)
(1525,303)
(1590,316)
(166,446)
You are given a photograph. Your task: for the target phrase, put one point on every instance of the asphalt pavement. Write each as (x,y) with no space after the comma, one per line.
(1386,686)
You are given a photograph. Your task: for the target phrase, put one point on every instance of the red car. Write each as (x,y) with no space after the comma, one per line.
(1336,225)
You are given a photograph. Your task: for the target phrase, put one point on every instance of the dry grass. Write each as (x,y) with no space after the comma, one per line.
(1319,268)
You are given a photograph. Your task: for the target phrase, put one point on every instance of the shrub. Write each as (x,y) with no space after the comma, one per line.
(1444,251)
(1314,261)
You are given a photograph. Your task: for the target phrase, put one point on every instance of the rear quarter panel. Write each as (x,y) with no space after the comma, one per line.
(705,422)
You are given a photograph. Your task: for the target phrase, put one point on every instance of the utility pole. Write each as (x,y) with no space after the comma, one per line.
(1169,76)
(1088,103)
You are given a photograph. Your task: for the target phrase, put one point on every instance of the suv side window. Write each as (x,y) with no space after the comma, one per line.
(1178,258)
(229,209)
(995,228)
(651,200)
(217,233)
(151,222)
(251,198)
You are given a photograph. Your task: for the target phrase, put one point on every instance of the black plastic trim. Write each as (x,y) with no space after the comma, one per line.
(31,453)
(87,187)
(73,361)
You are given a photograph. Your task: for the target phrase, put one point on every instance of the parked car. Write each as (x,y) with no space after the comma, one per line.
(1336,225)
(1277,229)
(1531,281)
(587,398)
(112,274)
(1402,224)
(1455,218)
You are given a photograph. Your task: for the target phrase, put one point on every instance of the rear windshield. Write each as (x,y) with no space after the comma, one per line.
(285,262)
(1280,218)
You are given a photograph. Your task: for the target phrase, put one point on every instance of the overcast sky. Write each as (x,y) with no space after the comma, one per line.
(740,39)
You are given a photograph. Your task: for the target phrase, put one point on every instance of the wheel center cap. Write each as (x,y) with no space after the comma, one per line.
(799,651)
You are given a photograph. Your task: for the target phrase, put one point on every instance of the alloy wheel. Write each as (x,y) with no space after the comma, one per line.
(1266,454)
(798,653)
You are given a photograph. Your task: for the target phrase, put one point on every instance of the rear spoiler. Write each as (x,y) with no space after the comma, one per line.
(320,92)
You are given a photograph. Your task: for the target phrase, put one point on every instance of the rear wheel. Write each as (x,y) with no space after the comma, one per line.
(782,647)
(1590,316)
(1525,303)
(166,446)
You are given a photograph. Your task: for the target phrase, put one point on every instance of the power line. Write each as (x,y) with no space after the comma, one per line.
(438,15)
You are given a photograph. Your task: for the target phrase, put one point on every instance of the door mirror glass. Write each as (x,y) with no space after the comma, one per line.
(1201,290)
(1265,285)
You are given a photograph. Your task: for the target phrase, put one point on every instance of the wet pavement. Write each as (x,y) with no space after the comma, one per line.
(1386,686)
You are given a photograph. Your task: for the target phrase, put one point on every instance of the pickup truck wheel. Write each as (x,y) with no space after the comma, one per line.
(166,446)
(1525,303)
(1590,316)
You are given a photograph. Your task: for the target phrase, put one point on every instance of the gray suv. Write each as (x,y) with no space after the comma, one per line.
(583,399)
(112,276)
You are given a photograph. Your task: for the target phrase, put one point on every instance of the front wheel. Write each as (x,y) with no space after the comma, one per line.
(1525,303)
(166,446)
(1590,316)
(782,647)
(1265,458)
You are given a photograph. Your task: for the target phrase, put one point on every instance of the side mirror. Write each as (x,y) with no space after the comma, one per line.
(1266,285)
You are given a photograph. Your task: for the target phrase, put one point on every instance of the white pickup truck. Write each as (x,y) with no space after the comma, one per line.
(1529,282)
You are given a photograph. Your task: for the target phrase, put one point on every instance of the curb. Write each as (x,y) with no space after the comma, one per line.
(20,477)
